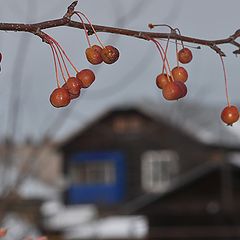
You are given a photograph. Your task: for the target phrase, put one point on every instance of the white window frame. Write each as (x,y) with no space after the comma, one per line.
(154,177)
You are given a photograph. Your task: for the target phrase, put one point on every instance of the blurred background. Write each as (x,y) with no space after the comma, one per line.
(119,162)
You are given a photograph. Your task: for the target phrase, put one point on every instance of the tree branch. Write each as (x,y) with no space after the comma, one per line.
(36,28)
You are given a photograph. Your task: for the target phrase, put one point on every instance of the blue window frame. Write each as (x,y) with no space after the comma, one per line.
(96,177)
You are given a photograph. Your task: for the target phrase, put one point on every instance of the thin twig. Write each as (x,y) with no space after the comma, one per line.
(36,28)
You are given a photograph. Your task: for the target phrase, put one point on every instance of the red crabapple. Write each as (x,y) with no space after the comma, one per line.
(230,115)
(180,74)
(73,85)
(110,54)
(162,79)
(93,54)
(60,97)
(3,232)
(71,95)
(172,91)
(86,77)
(185,55)
(182,87)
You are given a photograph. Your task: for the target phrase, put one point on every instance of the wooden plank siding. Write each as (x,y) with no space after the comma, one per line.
(152,135)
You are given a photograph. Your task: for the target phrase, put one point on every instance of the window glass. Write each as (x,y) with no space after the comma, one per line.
(159,168)
(93,172)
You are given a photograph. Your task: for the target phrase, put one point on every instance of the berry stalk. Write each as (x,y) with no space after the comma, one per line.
(95,33)
(52,39)
(64,63)
(177,53)
(85,29)
(225,81)
(165,53)
(55,66)
(179,32)
(59,63)
(160,49)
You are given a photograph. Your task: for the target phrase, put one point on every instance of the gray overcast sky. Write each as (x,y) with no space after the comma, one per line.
(27,65)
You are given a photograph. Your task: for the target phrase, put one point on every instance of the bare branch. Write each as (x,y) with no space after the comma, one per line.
(36,28)
(70,10)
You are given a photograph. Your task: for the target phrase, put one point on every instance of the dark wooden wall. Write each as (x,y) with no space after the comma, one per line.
(150,134)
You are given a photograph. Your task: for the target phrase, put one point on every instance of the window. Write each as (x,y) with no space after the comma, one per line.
(92,172)
(127,124)
(96,177)
(159,169)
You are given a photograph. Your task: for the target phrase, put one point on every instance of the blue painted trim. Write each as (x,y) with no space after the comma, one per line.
(99,193)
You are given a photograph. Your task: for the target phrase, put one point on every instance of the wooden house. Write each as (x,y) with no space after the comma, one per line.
(130,152)
(203,204)
(179,167)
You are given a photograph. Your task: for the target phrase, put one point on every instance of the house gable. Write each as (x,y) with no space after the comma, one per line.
(133,134)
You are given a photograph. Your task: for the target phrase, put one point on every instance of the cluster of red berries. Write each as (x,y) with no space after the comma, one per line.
(172,82)
(96,54)
(62,95)
(173,85)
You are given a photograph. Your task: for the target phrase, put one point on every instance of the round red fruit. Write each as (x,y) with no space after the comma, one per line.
(182,87)
(162,79)
(73,85)
(72,96)
(230,115)
(185,55)
(86,77)
(93,54)
(60,97)
(3,232)
(180,74)
(172,91)
(110,54)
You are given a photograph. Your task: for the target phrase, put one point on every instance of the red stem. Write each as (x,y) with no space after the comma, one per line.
(55,65)
(177,29)
(159,47)
(159,50)
(225,81)
(91,27)
(64,53)
(85,29)
(177,53)
(165,53)
(161,25)
(59,63)
(64,63)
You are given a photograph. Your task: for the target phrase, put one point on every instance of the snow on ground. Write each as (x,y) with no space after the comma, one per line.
(33,188)
(59,217)
(115,227)
(18,228)
(83,222)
